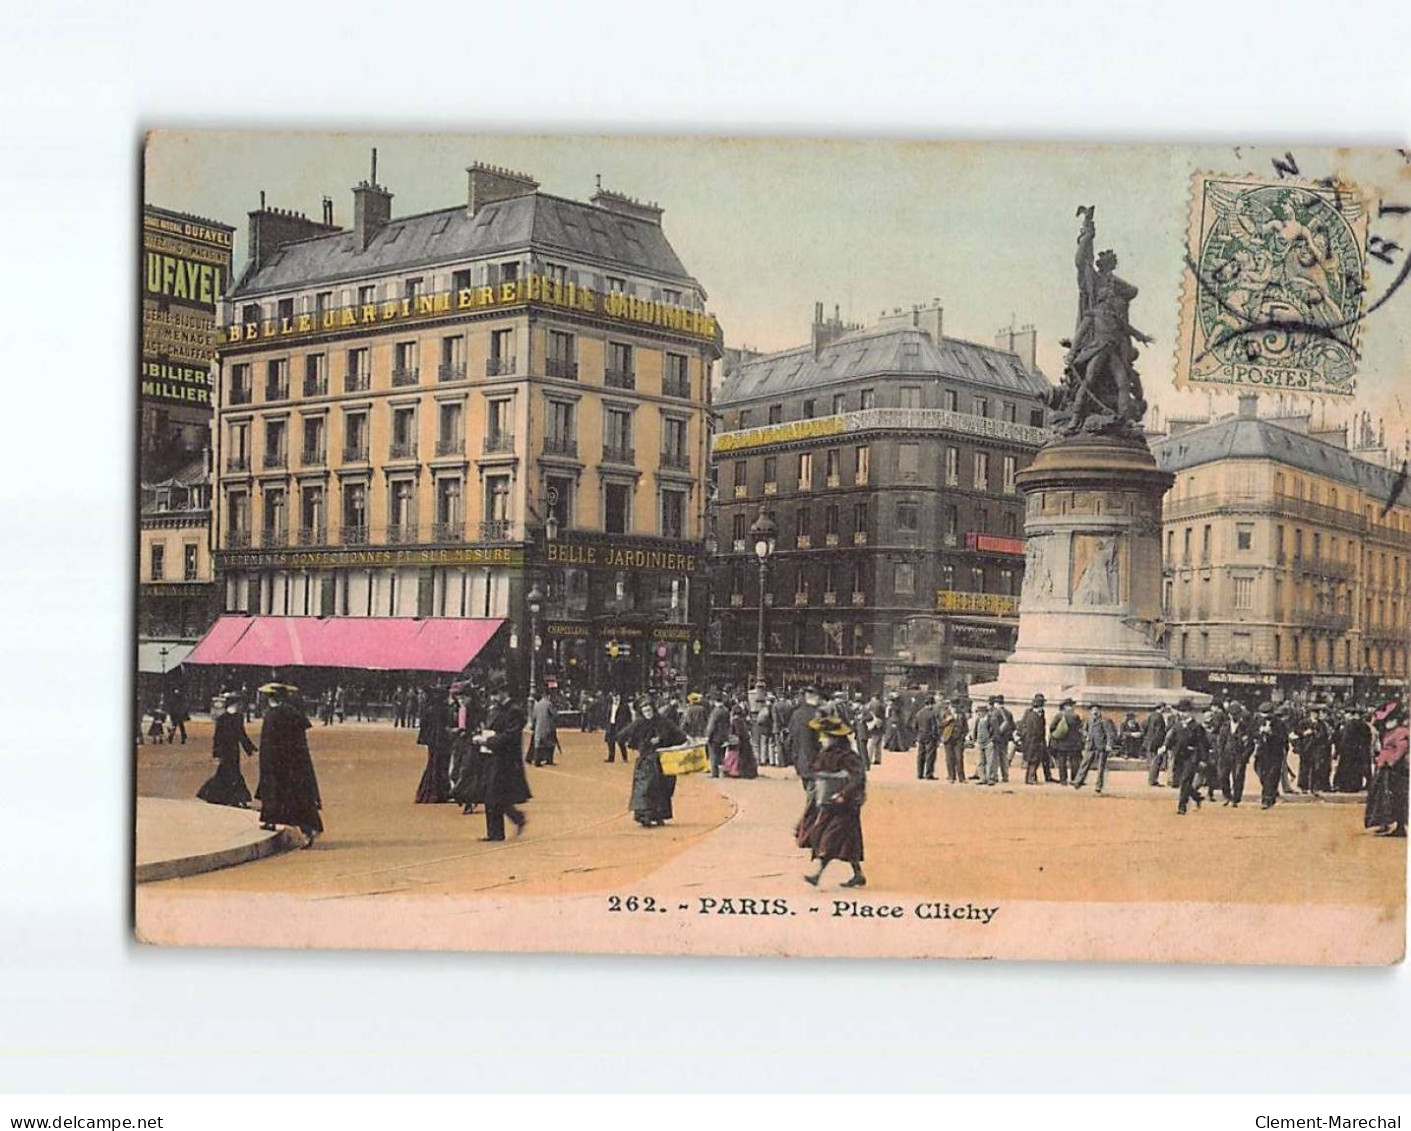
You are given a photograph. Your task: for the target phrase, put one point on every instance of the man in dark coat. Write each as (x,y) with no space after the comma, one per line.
(1097,747)
(501,743)
(616,719)
(953,727)
(1131,736)
(1315,754)
(803,739)
(227,785)
(1154,742)
(717,733)
(1188,743)
(1068,745)
(544,734)
(1354,747)
(436,735)
(1002,729)
(177,713)
(1271,740)
(928,738)
(1233,749)
(288,787)
(1033,742)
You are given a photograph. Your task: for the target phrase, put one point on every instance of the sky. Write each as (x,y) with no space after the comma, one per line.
(771,226)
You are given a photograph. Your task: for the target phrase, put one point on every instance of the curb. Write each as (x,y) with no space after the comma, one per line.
(282,841)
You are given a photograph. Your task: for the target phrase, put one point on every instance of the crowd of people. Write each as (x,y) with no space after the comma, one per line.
(474,732)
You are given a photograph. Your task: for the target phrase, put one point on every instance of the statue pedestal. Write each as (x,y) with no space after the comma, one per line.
(1090,612)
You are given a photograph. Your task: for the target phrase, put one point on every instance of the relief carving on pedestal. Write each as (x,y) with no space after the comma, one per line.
(1038,571)
(1095,567)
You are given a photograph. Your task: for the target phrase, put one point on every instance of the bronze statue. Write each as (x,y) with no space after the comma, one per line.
(1100,393)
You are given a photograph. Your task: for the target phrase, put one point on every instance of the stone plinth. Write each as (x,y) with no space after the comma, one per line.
(1090,613)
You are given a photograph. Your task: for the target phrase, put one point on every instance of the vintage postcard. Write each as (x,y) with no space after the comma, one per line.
(773,547)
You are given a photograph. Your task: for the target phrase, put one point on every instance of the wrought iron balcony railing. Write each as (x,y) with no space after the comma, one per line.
(314,457)
(274,536)
(241,394)
(405,375)
(496,530)
(450,446)
(315,387)
(402,449)
(619,378)
(238,462)
(678,461)
(277,391)
(499,442)
(448,531)
(355,453)
(561,446)
(353,534)
(401,533)
(499,366)
(275,460)
(676,387)
(237,539)
(614,454)
(357,382)
(451,371)
(561,367)
(313,535)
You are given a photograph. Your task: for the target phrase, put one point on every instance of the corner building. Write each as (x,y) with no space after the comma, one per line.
(1281,570)
(425,416)
(886,456)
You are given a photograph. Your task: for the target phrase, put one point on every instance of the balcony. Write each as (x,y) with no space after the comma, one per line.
(355,453)
(496,530)
(450,446)
(1323,620)
(448,532)
(742,491)
(278,391)
(451,371)
(353,535)
(804,542)
(241,394)
(859,537)
(801,598)
(614,454)
(830,598)
(237,463)
(677,461)
(274,536)
(275,460)
(316,388)
(561,446)
(859,599)
(499,366)
(737,600)
(676,387)
(831,538)
(401,534)
(357,382)
(771,488)
(499,442)
(402,449)
(313,535)
(561,367)
(834,481)
(313,457)
(237,539)
(403,375)
(619,378)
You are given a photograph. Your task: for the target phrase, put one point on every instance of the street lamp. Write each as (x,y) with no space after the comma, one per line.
(763,532)
(536,603)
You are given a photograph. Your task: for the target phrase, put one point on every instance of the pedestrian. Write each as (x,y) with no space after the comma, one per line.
(952,735)
(716,733)
(544,734)
(652,790)
(1354,749)
(325,712)
(739,759)
(1097,745)
(695,716)
(227,785)
(467,762)
(1065,740)
(984,739)
(156,728)
(1315,754)
(1131,736)
(873,726)
(1032,733)
(615,724)
(803,739)
(894,737)
(177,713)
(1189,747)
(1270,749)
(436,733)
(1232,754)
(288,788)
(928,738)
(766,749)
(399,707)
(501,744)
(831,825)
(340,703)
(1154,742)
(1386,808)
(1002,726)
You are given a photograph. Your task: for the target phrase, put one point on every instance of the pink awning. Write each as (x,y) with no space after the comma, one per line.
(375,643)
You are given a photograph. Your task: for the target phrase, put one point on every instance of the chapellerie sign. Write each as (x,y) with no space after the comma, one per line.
(532,290)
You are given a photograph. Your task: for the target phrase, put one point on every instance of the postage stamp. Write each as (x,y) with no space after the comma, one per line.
(1274,293)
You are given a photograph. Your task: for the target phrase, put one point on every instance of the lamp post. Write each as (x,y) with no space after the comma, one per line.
(763,532)
(536,602)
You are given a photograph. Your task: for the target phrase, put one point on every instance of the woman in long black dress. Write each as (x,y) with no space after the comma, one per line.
(435,734)
(288,789)
(831,825)
(227,785)
(652,790)
(467,763)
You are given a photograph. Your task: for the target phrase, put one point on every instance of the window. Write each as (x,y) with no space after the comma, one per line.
(509,272)
(808,410)
(1008,467)
(952,521)
(501,361)
(277,379)
(276,522)
(499,424)
(771,469)
(367,294)
(311,518)
(674,452)
(158,561)
(869,398)
(354,511)
(982,406)
(617,440)
(561,437)
(561,360)
(448,508)
(616,285)
(741,472)
(673,514)
(1244,592)
(739,530)
(805,471)
(1036,418)
(619,373)
(908,461)
(830,520)
(742,418)
(908,517)
(1009,411)
(859,518)
(904,579)
(284,309)
(803,522)
(1205,543)
(240,391)
(982,471)
(1186,546)
(952,467)
(670,297)
(405,369)
(864,464)
(402,508)
(977,580)
(950,399)
(314,452)
(776,414)
(617,507)
(355,437)
(1010,524)
(910,396)
(982,518)
(676,380)
(359,373)
(832,465)
(497,498)
(315,375)
(411,288)
(191,562)
(460,280)
(840,403)
(403,433)
(450,430)
(275,453)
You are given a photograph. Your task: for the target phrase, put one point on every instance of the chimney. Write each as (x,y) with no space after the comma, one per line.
(489,183)
(270,229)
(930,319)
(1023,341)
(826,333)
(1249,406)
(328,211)
(631,207)
(372,207)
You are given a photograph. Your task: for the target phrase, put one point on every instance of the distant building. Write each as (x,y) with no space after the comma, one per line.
(1281,569)
(426,415)
(886,456)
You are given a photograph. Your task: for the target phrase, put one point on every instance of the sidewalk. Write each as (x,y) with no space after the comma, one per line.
(184,838)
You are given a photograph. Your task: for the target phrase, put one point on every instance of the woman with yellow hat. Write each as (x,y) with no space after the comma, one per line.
(831,825)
